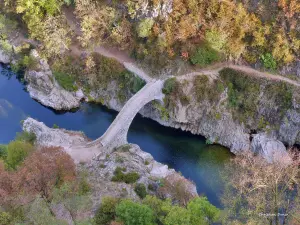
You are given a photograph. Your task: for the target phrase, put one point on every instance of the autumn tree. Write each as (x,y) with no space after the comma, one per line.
(256,188)
(39,174)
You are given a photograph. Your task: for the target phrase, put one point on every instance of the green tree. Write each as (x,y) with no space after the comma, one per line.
(5,218)
(177,216)
(107,211)
(202,212)
(17,151)
(132,213)
(204,56)
(144,27)
(161,208)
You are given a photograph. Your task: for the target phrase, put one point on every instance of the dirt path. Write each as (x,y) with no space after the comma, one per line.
(131,65)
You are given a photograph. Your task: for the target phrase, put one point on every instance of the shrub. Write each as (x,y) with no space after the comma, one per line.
(107,211)
(3,151)
(268,61)
(132,213)
(161,208)
(55,126)
(5,218)
(26,136)
(144,27)
(204,56)
(83,186)
(169,86)
(202,212)
(128,178)
(136,84)
(66,81)
(140,190)
(29,62)
(17,151)
(177,215)
(215,39)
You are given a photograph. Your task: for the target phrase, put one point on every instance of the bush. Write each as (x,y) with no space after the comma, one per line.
(140,190)
(131,213)
(26,137)
(128,178)
(204,56)
(3,151)
(83,187)
(177,215)
(107,211)
(169,86)
(65,81)
(202,212)
(144,27)
(17,151)
(268,61)
(5,218)
(136,84)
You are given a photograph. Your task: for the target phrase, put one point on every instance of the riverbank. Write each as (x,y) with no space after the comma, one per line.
(179,150)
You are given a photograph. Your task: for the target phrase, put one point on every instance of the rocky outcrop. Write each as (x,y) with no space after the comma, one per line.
(4,58)
(43,87)
(62,213)
(100,172)
(270,149)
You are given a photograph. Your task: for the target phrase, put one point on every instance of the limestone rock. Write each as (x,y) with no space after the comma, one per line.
(4,58)
(100,171)
(62,213)
(53,137)
(272,150)
(43,87)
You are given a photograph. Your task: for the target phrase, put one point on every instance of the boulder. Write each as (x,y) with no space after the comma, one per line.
(4,58)
(270,149)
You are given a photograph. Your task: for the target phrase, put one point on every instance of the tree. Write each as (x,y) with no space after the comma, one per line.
(17,151)
(39,174)
(56,36)
(144,27)
(132,213)
(256,188)
(202,212)
(107,211)
(45,169)
(177,216)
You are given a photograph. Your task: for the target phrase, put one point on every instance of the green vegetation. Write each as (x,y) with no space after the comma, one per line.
(26,137)
(17,151)
(268,61)
(120,176)
(65,81)
(132,213)
(107,211)
(243,93)
(204,56)
(144,27)
(170,86)
(206,90)
(153,210)
(140,190)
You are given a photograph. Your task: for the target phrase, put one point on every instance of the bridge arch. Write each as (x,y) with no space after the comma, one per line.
(116,134)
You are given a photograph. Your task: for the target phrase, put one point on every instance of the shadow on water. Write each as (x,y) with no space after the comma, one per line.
(180,150)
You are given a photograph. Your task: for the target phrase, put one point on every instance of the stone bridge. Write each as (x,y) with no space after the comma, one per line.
(116,134)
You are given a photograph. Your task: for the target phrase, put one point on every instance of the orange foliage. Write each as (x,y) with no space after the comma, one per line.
(39,174)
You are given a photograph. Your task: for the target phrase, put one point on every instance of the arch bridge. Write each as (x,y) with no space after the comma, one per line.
(116,134)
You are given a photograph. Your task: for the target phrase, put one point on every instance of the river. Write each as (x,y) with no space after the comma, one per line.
(180,150)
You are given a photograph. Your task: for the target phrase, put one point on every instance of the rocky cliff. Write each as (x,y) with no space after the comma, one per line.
(43,87)
(229,109)
(100,172)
